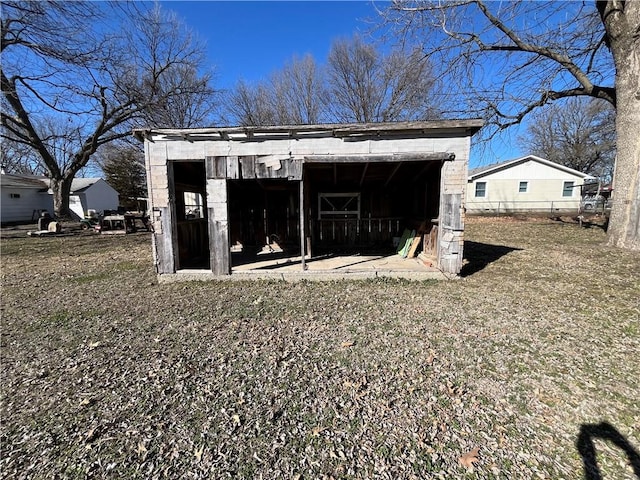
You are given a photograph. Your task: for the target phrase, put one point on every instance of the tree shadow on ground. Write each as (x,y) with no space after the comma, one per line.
(584,221)
(586,448)
(479,255)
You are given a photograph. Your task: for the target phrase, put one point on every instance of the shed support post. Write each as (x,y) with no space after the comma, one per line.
(218,226)
(302,229)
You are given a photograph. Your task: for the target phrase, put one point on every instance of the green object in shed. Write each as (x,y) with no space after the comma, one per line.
(405,242)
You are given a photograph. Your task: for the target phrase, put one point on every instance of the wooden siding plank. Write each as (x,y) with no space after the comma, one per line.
(233,168)
(164,242)
(219,211)
(220,167)
(247,167)
(209,167)
(302,229)
(452,211)
(219,246)
(216,167)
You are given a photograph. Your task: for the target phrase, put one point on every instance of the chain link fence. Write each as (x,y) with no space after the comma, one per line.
(552,207)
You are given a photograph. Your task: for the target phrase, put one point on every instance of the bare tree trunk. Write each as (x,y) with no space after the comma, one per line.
(624,223)
(61,188)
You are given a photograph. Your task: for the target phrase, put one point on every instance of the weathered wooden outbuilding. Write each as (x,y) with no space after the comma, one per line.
(221,195)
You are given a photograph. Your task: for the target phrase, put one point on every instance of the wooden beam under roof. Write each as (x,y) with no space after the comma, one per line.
(364,172)
(395,170)
(380,157)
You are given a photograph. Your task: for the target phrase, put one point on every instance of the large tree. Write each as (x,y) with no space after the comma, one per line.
(506,59)
(578,132)
(78,75)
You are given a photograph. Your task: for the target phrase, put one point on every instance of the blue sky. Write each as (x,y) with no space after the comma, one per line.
(251,39)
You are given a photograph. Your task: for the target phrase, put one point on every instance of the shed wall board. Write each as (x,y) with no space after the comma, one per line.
(218,213)
(165,250)
(453,182)
(216,192)
(185,150)
(233,167)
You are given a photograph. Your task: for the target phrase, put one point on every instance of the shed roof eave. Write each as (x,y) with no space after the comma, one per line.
(467,126)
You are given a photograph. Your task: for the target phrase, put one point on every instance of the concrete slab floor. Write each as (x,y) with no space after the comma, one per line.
(324,268)
(325,263)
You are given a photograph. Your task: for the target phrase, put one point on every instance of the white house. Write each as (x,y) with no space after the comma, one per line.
(24,197)
(92,194)
(526,184)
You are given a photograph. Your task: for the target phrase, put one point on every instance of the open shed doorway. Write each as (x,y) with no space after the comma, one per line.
(263,220)
(366,207)
(354,214)
(191,225)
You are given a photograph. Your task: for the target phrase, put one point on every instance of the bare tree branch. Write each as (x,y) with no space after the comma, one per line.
(70,85)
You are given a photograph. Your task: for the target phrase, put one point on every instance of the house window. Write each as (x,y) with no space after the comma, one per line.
(523,187)
(14,195)
(567,189)
(481,189)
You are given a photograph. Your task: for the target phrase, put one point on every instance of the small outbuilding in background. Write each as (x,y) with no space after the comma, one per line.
(25,197)
(91,194)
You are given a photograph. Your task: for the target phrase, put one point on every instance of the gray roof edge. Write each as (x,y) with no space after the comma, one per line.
(473,125)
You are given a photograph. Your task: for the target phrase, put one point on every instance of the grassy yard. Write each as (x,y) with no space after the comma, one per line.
(532,359)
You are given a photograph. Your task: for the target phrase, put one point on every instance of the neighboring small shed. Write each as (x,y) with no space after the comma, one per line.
(526,184)
(217,194)
(91,194)
(23,198)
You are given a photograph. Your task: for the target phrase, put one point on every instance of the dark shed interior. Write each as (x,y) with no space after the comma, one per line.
(358,207)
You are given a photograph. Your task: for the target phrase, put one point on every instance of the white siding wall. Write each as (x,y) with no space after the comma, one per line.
(22,209)
(77,205)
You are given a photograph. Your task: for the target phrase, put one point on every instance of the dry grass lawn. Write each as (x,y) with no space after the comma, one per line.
(530,361)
